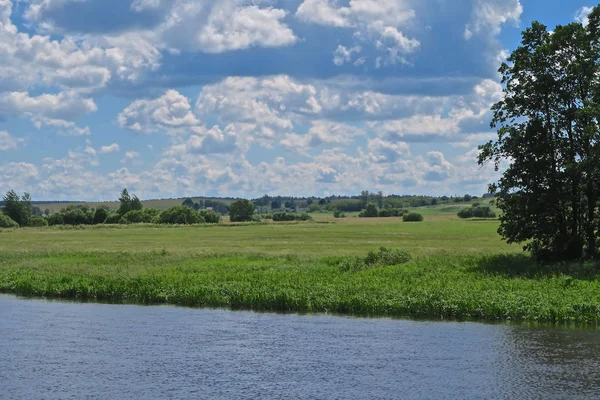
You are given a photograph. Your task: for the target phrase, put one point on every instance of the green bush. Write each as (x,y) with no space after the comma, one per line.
(77,216)
(113,218)
(371,211)
(412,217)
(56,219)
(241,211)
(282,217)
(476,212)
(180,215)
(338,214)
(37,221)
(135,217)
(384,257)
(100,215)
(210,217)
(7,222)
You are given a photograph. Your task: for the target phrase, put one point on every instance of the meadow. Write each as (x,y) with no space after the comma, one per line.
(460,269)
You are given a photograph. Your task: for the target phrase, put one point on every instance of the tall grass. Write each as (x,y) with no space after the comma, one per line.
(441,285)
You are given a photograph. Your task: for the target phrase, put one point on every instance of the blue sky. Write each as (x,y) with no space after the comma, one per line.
(246,97)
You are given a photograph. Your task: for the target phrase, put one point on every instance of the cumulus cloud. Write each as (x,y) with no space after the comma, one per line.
(171,113)
(582,15)
(379,21)
(113,148)
(7,142)
(489,16)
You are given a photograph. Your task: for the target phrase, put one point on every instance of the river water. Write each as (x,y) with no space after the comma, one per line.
(65,350)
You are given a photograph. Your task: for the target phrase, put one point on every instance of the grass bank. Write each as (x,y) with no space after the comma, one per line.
(437,286)
(459,269)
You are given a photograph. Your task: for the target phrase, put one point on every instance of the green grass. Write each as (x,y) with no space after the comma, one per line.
(459,269)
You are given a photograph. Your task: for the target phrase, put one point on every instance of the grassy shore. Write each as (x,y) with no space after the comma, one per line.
(460,269)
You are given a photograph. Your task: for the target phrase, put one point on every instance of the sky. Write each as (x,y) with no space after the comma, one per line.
(241,98)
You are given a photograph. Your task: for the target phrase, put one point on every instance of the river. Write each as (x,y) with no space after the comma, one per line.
(67,350)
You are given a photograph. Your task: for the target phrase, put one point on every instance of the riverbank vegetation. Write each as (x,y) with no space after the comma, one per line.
(443,267)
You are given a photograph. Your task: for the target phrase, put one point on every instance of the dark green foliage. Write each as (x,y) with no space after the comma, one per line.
(100,215)
(346,205)
(383,257)
(128,203)
(7,222)
(549,131)
(136,217)
(179,215)
(241,211)
(210,217)
(391,212)
(56,219)
(281,217)
(112,218)
(17,208)
(412,217)
(338,214)
(370,211)
(476,212)
(77,216)
(37,221)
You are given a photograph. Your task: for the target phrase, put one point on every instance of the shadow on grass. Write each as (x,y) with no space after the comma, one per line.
(522,265)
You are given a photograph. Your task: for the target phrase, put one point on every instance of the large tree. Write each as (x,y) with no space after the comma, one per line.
(19,209)
(549,134)
(241,211)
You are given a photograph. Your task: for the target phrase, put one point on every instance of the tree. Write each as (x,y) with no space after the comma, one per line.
(364,198)
(276,204)
(100,215)
(188,203)
(241,211)
(17,208)
(380,199)
(125,201)
(309,201)
(370,211)
(549,131)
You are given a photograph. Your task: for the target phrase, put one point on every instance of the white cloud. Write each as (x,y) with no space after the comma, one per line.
(381,151)
(343,55)
(582,15)
(489,16)
(234,28)
(7,142)
(113,148)
(377,20)
(171,113)
(322,133)
(131,156)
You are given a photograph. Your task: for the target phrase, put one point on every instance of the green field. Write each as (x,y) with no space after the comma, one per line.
(460,269)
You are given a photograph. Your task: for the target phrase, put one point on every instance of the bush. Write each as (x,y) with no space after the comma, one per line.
(56,219)
(281,217)
(134,217)
(37,221)
(370,211)
(241,211)
(100,216)
(210,217)
(384,257)
(7,222)
(113,218)
(338,214)
(476,212)
(412,217)
(180,215)
(77,216)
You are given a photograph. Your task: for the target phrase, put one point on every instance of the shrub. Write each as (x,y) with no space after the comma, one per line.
(37,221)
(476,212)
(338,214)
(370,211)
(281,217)
(241,211)
(56,219)
(267,216)
(412,217)
(77,216)
(113,218)
(180,215)
(100,216)
(210,217)
(134,217)
(7,222)
(384,257)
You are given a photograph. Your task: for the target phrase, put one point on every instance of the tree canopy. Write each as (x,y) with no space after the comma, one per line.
(549,135)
